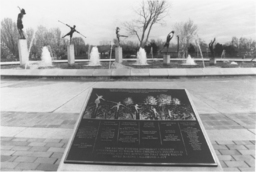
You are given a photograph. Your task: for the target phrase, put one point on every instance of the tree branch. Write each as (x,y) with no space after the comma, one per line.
(149,14)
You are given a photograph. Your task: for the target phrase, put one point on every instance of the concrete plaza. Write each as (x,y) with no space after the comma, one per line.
(38,117)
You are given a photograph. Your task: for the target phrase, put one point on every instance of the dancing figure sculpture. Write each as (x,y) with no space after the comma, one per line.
(117,106)
(71,32)
(98,99)
(20,24)
(168,39)
(118,35)
(137,108)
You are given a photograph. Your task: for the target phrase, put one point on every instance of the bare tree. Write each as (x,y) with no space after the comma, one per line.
(52,38)
(149,13)
(9,36)
(186,32)
(235,42)
(5,53)
(212,50)
(40,37)
(56,35)
(79,45)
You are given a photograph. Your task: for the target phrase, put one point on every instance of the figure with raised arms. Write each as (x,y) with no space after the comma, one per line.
(118,35)
(71,32)
(20,24)
(168,39)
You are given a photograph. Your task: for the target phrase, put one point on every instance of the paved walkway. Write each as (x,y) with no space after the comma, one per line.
(38,117)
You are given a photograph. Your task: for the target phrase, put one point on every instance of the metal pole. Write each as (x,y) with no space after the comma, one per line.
(178,45)
(80,34)
(89,49)
(111,44)
(198,44)
(152,52)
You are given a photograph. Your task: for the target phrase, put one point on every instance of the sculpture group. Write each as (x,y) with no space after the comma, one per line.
(159,107)
(141,56)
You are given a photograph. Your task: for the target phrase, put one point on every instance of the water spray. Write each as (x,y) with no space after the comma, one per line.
(198,44)
(31,43)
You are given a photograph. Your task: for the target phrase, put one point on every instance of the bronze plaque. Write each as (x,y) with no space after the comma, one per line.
(140,127)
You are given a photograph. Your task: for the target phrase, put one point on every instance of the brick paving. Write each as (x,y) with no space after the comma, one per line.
(38,120)
(43,154)
(44,157)
(233,158)
(229,121)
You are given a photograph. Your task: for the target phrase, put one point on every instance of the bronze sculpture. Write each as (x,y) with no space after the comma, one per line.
(71,32)
(118,35)
(20,24)
(168,39)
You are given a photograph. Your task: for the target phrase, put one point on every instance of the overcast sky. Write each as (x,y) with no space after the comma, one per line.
(97,19)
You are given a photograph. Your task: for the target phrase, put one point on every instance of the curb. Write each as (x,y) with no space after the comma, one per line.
(198,72)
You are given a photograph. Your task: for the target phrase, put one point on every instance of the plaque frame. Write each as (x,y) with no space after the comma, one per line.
(215,164)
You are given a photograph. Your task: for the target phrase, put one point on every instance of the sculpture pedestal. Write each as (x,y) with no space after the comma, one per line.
(23,51)
(213,61)
(119,54)
(71,55)
(167,59)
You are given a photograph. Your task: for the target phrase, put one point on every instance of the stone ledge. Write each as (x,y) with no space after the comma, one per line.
(140,72)
(102,72)
(195,72)
(121,72)
(130,72)
(87,72)
(177,72)
(158,72)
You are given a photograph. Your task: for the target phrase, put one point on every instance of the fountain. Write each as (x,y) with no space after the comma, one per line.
(46,60)
(189,61)
(94,57)
(234,63)
(141,57)
(46,57)
(28,63)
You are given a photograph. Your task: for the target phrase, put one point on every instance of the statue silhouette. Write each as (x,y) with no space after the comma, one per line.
(71,32)
(20,24)
(118,35)
(168,39)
